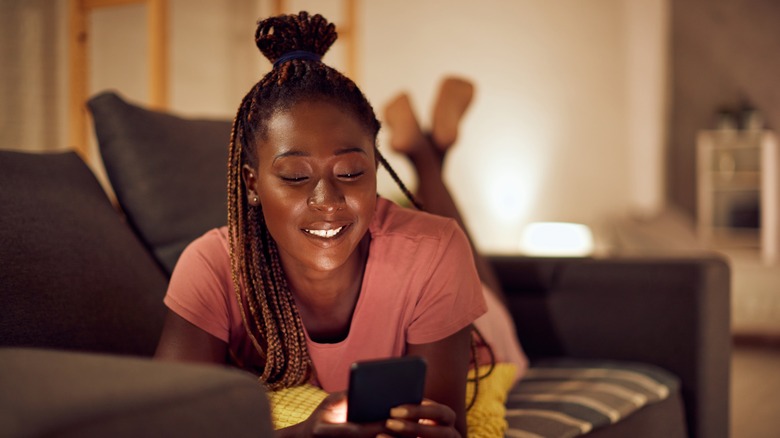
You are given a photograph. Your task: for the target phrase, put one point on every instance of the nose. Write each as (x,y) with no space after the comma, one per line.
(326,197)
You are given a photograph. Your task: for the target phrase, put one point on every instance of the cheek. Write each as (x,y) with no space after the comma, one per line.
(364,200)
(278,207)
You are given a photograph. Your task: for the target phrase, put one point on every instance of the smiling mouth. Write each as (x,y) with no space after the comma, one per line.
(326,234)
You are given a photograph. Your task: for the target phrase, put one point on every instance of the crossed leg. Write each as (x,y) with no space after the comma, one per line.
(427,155)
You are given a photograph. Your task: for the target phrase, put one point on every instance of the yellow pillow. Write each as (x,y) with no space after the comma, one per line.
(290,406)
(486,418)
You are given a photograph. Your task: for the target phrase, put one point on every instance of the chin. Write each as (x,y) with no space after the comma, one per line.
(328,263)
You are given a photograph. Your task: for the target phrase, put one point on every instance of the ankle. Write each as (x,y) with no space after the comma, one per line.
(427,159)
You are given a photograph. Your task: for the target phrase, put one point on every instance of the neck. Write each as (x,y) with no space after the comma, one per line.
(327,300)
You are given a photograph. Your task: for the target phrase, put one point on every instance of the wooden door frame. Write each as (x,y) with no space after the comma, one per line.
(79,12)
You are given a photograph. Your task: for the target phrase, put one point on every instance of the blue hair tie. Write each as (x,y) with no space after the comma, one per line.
(297,54)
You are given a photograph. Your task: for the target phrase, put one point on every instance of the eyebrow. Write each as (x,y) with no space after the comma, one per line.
(297,153)
(350,150)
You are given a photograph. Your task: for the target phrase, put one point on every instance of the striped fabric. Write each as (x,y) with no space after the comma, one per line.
(568,398)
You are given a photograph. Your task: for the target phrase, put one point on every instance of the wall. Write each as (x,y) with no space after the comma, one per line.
(566,124)
(33,90)
(545,138)
(724,53)
(213,60)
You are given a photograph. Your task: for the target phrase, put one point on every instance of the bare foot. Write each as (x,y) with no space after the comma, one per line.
(454,98)
(406,136)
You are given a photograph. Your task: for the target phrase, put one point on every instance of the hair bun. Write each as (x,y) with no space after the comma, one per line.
(276,36)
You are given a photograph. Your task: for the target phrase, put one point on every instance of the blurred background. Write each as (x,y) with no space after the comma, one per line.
(607,113)
(585,111)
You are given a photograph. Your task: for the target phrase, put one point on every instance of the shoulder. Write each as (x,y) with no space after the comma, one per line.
(214,240)
(392,220)
(426,261)
(201,287)
(414,241)
(210,249)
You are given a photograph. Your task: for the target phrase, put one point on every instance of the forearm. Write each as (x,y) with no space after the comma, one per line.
(184,342)
(448,363)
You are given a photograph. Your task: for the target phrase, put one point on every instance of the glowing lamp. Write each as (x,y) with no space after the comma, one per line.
(556,239)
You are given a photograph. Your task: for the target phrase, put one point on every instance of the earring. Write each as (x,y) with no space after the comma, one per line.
(255,199)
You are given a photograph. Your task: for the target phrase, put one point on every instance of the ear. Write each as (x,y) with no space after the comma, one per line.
(249,176)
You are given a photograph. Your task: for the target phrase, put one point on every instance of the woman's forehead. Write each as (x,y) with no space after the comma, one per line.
(319,125)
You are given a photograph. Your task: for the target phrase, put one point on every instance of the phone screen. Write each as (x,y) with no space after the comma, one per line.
(377,386)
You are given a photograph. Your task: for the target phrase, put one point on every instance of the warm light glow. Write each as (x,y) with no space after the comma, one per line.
(513,169)
(508,197)
(336,412)
(557,239)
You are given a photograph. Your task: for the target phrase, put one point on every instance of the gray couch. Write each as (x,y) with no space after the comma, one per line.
(81,306)
(82,287)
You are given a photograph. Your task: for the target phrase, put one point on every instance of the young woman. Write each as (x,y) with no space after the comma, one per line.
(427,152)
(315,271)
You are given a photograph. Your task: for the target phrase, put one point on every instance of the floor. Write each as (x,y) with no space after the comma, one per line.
(755,392)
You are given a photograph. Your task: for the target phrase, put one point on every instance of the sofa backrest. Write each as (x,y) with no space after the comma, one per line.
(72,273)
(169,173)
(671,311)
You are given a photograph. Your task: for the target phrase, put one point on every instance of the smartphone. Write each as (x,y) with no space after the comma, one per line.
(376,386)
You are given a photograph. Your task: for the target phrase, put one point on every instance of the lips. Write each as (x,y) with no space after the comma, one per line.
(327,234)
(326,231)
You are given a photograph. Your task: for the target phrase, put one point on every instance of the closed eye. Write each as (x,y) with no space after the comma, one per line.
(351,175)
(294,179)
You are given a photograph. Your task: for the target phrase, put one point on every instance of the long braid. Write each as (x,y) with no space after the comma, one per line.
(267,306)
(397,180)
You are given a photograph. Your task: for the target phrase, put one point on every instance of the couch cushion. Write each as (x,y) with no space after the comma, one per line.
(59,394)
(567,398)
(73,274)
(485,418)
(168,173)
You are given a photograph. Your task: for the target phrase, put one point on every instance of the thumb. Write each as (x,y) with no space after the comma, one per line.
(334,408)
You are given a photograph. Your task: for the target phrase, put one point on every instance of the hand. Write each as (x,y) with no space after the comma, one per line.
(427,420)
(329,419)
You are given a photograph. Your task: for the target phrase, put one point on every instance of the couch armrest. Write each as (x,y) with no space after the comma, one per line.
(670,312)
(65,394)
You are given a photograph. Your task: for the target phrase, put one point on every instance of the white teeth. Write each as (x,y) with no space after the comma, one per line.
(325,233)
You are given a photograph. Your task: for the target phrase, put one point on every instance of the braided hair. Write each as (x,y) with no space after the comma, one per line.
(268,310)
(267,306)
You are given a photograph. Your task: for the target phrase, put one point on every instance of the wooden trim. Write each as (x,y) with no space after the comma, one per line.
(95,4)
(351,40)
(78,45)
(78,77)
(279,7)
(157,23)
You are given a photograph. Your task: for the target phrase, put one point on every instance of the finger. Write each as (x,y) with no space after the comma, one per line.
(333,408)
(347,430)
(407,428)
(427,412)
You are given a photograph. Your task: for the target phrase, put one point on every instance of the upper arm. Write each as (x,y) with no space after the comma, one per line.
(448,363)
(198,322)
(183,341)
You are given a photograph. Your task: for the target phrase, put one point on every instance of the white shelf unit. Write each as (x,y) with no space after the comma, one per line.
(738,191)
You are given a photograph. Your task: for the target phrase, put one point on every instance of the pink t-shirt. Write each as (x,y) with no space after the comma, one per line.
(420,285)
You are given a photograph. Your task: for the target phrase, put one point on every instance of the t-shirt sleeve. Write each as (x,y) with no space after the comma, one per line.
(452,297)
(200,286)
